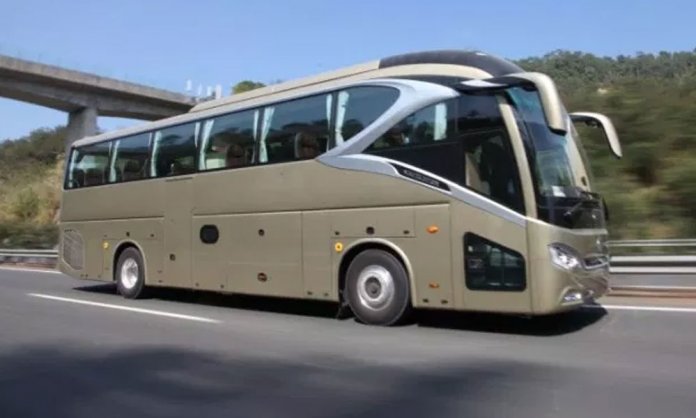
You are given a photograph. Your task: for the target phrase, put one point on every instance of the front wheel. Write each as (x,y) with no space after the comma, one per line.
(130,274)
(377,288)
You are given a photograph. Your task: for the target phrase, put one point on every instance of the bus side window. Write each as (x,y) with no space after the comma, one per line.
(174,151)
(308,145)
(228,141)
(295,130)
(89,165)
(130,156)
(78,178)
(358,107)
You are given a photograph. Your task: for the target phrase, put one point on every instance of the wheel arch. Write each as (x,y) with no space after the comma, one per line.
(120,248)
(359,246)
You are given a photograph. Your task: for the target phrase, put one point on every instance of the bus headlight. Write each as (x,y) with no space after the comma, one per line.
(564,257)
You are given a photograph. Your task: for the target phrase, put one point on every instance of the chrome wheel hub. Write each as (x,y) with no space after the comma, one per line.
(129,273)
(375,287)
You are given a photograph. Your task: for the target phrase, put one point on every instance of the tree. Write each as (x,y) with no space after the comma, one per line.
(246,85)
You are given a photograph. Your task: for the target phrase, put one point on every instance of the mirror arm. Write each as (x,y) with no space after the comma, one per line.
(554,112)
(607,126)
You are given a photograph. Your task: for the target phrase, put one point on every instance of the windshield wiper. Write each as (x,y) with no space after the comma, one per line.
(585,197)
(568,215)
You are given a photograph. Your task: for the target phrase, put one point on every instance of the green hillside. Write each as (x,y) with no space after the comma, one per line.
(30,177)
(651,192)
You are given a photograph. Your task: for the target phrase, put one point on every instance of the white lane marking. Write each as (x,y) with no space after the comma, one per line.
(126,308)
(641,308)
(32,270)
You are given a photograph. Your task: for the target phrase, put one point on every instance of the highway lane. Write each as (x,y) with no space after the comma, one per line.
(73,348)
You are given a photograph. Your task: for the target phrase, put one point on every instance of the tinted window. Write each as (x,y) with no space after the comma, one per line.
(491,169)
(228,141)
(174,151)
(130,158)
(89,165)
(463,140)
(358,107)
(478,112)
(490,266)
(295,130)
(431,124)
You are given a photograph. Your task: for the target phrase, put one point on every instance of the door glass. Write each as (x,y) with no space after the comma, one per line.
(490,266)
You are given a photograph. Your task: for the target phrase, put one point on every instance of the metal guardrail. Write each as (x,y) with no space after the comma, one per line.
(23,256)
(626,264)
(652,243)
(654,264)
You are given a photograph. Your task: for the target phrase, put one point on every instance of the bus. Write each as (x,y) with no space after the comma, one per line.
(446,180)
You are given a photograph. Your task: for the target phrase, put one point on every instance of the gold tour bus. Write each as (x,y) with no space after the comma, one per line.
(441,179)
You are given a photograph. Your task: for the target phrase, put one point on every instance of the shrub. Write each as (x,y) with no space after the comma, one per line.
(26,206)
(25,235)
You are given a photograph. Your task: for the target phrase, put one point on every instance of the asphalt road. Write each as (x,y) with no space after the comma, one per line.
(74,349)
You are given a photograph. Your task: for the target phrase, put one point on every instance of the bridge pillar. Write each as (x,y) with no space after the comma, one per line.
(81,123)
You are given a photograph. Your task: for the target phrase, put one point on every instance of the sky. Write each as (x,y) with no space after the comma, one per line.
(165,43)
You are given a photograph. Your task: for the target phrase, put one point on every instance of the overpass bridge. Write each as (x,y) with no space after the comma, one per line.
(85,96)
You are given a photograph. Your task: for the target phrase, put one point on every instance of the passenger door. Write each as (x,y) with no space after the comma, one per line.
(494,240)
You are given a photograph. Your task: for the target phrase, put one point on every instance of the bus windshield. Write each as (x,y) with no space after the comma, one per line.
(558,165)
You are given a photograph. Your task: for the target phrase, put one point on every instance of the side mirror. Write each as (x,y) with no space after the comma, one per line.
(598,120)
(554,112)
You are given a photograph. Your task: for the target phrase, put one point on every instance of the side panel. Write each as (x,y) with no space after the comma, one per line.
(405,230)
(89,239)
(92,234)
(316,256)
(430,256)
(80,251)
(145,234)
(178,196)
(138,199)
(497,230)
(113,214)
(264,253)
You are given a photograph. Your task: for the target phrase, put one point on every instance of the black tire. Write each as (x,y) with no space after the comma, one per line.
(130,289)
(365,285)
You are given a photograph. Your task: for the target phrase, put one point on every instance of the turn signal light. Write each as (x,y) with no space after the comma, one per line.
(433,229)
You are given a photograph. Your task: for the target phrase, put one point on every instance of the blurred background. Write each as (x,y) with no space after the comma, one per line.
(634,61)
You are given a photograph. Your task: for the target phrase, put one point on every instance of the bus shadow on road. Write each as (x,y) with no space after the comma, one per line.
(548,325)
(541,326)
(228,300)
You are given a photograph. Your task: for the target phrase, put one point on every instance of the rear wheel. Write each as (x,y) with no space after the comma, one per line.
(130,274)
(377,288)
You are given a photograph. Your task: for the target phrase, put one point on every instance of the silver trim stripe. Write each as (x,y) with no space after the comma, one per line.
(381,165)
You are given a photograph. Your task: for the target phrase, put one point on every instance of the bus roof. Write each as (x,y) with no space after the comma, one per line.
(493,65)
(483,62)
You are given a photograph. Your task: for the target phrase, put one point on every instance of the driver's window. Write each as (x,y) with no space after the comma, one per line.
(490,167)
